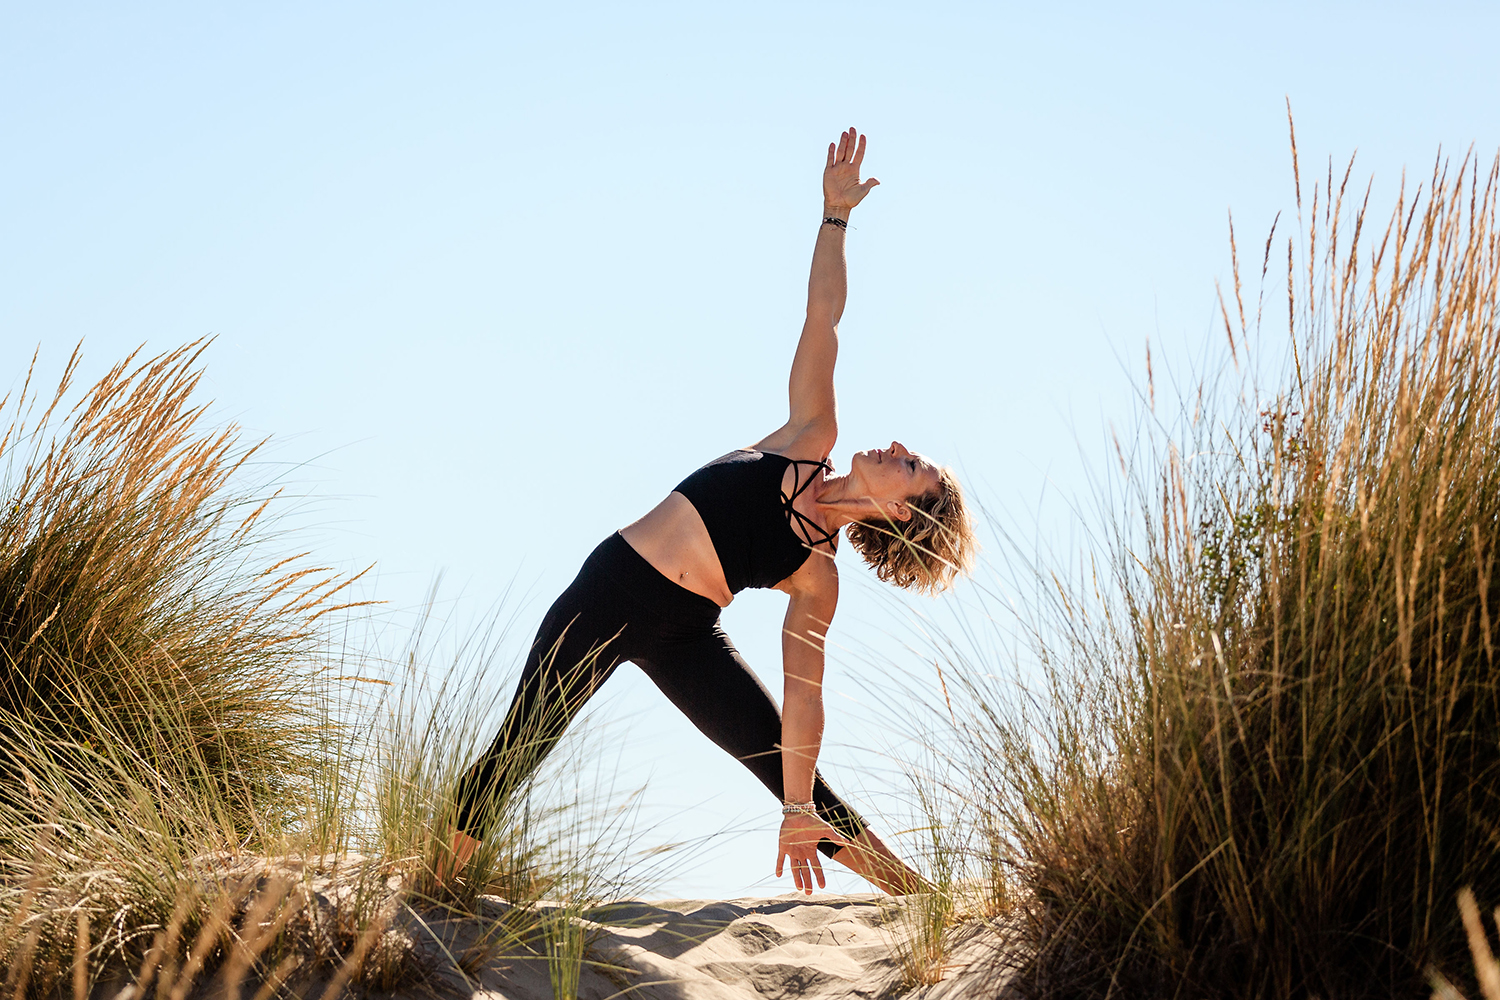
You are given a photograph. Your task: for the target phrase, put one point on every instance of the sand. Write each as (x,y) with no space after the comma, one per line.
(788,946)
(821,946)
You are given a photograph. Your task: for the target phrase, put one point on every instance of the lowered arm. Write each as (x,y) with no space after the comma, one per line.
(802,637)
(814,595)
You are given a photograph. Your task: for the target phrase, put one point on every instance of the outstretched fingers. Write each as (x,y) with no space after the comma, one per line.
(859,152)
(807,870)
(802,879)
(799,845)
(796,867)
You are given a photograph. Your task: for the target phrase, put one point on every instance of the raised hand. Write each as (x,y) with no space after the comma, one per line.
(842,189)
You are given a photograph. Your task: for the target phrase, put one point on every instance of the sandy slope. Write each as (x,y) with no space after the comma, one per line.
(818,947)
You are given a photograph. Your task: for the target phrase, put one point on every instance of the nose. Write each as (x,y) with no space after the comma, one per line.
(898,448)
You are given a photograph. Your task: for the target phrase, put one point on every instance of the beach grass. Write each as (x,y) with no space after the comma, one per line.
(1252,747)
(201,788)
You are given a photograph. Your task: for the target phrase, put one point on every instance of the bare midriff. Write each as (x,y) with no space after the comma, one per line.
(672,538)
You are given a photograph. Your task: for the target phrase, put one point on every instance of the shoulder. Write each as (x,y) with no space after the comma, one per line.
(812,440)
(815,582)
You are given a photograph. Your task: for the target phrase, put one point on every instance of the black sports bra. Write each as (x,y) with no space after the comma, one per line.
(751,522)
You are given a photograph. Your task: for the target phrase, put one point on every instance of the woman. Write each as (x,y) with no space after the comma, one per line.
(766,516)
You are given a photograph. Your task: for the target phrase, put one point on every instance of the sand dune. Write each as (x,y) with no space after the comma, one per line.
(748,949)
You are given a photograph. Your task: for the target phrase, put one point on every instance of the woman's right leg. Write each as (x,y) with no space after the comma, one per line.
(576,649)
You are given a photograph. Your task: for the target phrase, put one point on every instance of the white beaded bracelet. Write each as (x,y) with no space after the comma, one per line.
(799,809)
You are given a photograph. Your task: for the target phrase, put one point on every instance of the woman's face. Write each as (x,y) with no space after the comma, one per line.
(893,474)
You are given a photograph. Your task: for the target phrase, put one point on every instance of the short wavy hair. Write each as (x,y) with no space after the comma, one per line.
(927,551)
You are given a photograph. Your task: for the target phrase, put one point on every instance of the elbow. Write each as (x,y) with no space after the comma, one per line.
(802,698)
(824,316)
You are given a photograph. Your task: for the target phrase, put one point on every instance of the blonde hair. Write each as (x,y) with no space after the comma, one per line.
(925,552)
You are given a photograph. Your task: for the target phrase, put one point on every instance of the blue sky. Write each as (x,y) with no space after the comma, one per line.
(498,276)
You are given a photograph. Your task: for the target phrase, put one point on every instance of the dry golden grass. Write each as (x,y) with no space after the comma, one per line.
(121,589)
(1486,968)
(1262,759)
(180,788)
(154,692)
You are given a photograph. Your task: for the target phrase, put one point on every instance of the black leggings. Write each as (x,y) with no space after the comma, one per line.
(620,608)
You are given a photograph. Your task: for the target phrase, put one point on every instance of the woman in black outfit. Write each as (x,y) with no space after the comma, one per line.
(764,516)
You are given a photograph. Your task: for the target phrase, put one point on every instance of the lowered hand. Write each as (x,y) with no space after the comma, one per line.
(800,834)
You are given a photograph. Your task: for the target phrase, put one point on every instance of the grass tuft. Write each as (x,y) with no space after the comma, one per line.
(131,640)
(1261,759)
(188,760)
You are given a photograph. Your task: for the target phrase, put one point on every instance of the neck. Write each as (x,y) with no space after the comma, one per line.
(843,501)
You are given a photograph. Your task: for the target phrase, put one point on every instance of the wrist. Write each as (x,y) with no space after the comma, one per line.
(836,212)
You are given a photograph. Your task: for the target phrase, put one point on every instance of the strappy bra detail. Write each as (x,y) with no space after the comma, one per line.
(808,525)
(759,535)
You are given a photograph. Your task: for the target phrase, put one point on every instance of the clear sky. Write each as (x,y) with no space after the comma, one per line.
(501,274)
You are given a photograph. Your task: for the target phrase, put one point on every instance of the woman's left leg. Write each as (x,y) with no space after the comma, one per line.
(710,682)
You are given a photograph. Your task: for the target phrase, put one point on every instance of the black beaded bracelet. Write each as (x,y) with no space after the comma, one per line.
(841,223)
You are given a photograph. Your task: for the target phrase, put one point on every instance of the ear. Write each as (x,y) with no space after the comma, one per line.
(899,511)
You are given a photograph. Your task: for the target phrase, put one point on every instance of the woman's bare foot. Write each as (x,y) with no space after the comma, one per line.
(452,860)
(867,856)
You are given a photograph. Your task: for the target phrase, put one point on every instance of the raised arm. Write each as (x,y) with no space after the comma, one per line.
(813,413)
